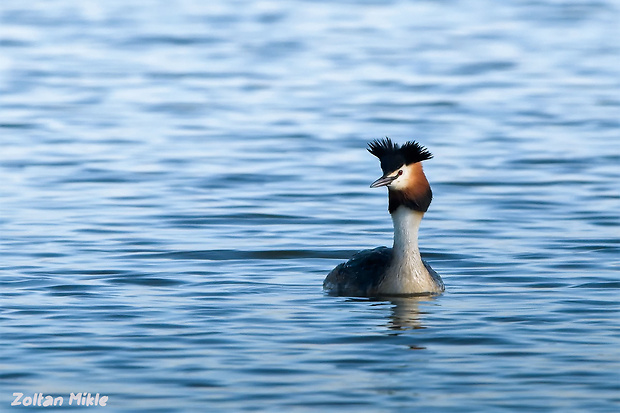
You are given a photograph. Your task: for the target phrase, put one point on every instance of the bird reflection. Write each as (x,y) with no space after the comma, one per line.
(406,312)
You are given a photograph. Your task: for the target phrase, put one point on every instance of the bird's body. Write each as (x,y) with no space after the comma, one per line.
(399,270)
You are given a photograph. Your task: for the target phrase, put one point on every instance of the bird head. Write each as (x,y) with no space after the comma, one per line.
(402,173)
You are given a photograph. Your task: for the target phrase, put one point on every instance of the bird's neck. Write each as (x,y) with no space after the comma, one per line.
(407,273)
(406,226)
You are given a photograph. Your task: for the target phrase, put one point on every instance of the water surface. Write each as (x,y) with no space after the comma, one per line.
(177,180)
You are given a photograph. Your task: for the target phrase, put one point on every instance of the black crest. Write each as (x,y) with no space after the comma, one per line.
(393,156)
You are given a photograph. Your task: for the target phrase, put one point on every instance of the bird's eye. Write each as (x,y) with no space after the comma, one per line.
(400,172)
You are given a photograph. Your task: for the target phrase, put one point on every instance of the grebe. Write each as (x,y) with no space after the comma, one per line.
(399,270)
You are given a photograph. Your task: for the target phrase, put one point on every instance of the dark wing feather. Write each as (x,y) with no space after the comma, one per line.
(434,275)
(359,276)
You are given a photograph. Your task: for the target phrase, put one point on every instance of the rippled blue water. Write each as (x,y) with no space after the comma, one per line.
(177,178)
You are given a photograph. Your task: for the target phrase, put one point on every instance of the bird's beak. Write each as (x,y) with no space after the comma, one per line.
(383,181)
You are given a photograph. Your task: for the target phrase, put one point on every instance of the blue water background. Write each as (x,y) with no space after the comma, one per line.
(177,178)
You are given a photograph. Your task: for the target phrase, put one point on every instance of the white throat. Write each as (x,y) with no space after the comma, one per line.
(406,226)
(407,273)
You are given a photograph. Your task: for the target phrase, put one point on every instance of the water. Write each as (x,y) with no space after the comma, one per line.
(177,180)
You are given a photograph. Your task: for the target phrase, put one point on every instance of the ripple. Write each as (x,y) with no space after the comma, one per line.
(227,255)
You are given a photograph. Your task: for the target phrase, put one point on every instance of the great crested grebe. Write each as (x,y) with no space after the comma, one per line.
(399,270)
